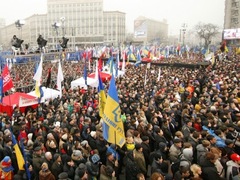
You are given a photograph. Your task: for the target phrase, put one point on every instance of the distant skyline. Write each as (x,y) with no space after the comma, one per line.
(176,12)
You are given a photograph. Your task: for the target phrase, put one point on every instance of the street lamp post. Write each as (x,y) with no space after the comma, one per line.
(19,24)
(56,25)
(184,28)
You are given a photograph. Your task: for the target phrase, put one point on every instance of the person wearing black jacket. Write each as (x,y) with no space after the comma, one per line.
(131,169)
(209,170)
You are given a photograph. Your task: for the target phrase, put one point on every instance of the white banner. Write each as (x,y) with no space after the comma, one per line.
(23,102)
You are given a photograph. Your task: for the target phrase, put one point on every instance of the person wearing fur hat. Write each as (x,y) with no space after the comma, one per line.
(45,173)
(6,170)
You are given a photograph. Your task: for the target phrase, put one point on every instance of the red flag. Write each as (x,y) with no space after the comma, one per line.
(7,80)
(100,63)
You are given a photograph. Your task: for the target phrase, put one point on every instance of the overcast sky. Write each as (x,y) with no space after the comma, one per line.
(176,12)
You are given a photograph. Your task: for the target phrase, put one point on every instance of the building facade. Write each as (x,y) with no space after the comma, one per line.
(149,30)
(232,14)
(83,22)
(114,27)
(231,32)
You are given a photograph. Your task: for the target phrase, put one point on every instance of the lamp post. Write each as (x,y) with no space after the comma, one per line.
(55,26)
(19,24)
(184,28)
(62,19)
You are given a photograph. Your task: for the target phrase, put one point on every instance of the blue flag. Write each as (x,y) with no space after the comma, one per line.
(113,130)
(102,96)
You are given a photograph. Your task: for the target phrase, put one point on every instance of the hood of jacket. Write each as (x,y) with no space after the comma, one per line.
(232,163)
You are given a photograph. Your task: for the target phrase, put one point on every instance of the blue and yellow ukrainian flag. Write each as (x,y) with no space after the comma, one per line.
(102,96)
(19,156)
(113,130)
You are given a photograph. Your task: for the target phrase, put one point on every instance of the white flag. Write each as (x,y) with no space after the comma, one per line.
(59,78)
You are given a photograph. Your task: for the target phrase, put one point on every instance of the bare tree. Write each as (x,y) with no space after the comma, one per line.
(206,32)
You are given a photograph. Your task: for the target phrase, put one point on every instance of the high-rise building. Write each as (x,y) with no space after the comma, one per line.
(114,27)
(232,14)
(83,22)
(148,30)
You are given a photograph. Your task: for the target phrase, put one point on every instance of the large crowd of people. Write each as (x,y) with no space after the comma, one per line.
(183,124)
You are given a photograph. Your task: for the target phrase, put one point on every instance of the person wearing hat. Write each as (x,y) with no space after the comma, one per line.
(77,157)
(81,172)
(93,166)
(57,166)
(112,162)
(233,167)
(45,173)
(92,139)
(139,158)
(63,176)
(37,159)
(229,147)
(6,168)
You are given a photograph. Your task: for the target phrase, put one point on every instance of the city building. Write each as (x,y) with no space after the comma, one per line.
(149,30)
(231,32)
(83,22)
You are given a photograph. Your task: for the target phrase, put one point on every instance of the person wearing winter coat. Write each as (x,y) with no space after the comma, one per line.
(131,168)
(209,170)
(202,149)
(45,173)
(139,158)
(107,173)
(69,167)
(93,166)
(233,166)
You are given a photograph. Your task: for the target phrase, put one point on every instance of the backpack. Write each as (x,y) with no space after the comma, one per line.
(175,166)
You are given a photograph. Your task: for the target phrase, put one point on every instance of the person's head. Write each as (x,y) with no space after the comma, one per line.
(177,142)
(157,176)
(184,171)
(211,157)
(179,134)
(139,147)
(48,156)
(235,157)
(44,167)
(216,151)
(196,170)
(211,139)
(140,176)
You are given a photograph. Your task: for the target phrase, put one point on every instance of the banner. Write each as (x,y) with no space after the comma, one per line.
(7,80)
(27,102)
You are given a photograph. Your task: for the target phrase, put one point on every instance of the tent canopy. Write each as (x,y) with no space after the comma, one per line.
(81,82)
(103,75)
(19,99)
(48,93)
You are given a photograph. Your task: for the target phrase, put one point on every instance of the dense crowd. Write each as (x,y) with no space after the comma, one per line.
(184,124)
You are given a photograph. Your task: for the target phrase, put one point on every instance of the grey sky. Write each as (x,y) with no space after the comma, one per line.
(176,12)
